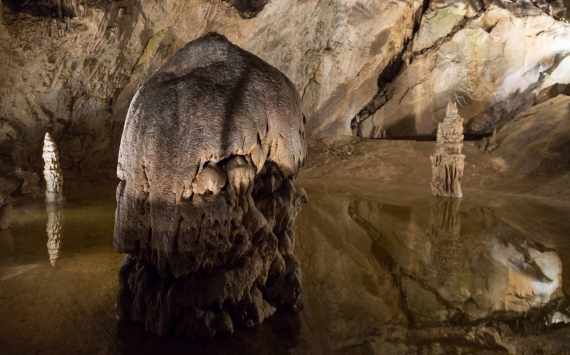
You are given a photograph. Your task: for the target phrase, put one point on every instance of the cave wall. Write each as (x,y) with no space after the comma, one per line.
(495,60)
(72,66)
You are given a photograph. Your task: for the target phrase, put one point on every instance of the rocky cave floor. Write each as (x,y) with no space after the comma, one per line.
(388,268)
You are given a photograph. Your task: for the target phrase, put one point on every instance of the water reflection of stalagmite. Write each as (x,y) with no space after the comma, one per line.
(54,228)
(444,231)
(467,269)
(52,171)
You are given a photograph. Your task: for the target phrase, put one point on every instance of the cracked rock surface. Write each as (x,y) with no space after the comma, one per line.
(206,204)
(495,58)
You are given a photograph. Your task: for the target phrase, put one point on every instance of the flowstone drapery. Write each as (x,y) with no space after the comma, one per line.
(212,144)
(52,171)
(446,160)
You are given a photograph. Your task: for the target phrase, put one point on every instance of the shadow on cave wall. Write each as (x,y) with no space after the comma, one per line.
(54,8)
(248,8)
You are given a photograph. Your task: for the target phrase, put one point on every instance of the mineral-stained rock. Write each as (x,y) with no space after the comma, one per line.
(5,215)
(493,58)
(54,227)
(52,171)
(447,160)
(206,204)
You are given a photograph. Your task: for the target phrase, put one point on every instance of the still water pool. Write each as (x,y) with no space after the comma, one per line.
(388,270)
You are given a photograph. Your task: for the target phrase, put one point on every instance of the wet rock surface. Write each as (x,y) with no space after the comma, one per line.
(206,203)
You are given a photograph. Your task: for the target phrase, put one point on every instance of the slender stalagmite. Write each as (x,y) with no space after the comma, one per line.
(447,160)
(52,171)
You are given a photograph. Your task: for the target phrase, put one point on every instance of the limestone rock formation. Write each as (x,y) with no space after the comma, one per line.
(52,171)
(5,214)
(206,204)
(54,228)
(447,160)
(492,57)
(72,67)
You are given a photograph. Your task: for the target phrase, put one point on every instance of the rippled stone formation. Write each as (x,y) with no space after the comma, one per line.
(52,171)
(447,160)
(212,144)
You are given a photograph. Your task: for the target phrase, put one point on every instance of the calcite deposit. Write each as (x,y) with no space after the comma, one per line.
(447,160)
(52,171)
(212,144)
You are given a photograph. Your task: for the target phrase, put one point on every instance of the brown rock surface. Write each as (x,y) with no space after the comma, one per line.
(72,67)
(206,204)
(494,58)
(530,159)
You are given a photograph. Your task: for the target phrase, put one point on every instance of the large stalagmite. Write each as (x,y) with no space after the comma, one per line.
(447,160)
(206,204)
(52,171)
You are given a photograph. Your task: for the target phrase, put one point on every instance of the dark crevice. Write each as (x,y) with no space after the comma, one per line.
(545,8)
(248,9)
(391,71)
(402,61)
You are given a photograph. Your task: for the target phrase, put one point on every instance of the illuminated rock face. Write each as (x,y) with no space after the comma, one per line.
(206,204)
(52,171)
(447,160)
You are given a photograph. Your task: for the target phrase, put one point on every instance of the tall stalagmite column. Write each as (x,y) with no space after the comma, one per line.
(212,145)
(52,171)
(447,160)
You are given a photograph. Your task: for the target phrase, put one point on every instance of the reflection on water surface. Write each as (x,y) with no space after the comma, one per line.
(389,272)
